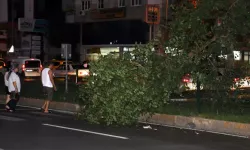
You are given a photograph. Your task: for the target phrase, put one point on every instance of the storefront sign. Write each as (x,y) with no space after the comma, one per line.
(26,42)
(32,25)
(37,38)
(36,43)
(111,13)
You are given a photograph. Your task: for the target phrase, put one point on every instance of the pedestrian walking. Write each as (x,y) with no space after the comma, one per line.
(6,78)
(48,86)
(14,87)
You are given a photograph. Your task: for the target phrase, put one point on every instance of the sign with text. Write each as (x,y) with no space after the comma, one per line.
(152,14)
(26,42)
(32,25)
(110,13)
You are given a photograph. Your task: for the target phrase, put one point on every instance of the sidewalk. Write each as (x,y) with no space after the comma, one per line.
(192,123)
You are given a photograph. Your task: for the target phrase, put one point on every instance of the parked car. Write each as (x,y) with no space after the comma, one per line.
(57,63)
(62,72)
(188,82)
(28,67)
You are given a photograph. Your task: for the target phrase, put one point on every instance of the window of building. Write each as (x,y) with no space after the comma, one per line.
(100,3)
(247,56)
(121,3)
(136,2)
(85,4)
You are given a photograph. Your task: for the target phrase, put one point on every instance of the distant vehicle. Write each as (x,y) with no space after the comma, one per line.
(28,67)
(61,71)
(57,63)
(188,82)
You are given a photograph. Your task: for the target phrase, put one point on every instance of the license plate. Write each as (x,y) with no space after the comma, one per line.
(29,70)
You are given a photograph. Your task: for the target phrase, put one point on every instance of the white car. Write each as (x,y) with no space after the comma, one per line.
(28,67)
(62,72)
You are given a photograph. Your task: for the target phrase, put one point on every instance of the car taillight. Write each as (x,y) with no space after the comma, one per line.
(41,66)
(4,65)
(236,79)
(185,80)
(23,67)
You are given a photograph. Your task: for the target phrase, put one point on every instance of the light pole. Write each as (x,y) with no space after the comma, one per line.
(11,50)
(84,55)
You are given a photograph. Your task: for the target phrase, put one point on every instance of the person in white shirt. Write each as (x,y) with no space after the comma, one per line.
(6,78)
(14,86)
(48,86)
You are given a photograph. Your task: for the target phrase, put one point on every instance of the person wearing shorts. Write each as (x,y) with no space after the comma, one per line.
(48,86)
(48,93)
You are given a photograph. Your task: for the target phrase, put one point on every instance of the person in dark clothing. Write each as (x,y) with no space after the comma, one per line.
(85,65)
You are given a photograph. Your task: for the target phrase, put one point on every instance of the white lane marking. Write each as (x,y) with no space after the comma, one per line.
(85,131)
(213,132)
(11,118)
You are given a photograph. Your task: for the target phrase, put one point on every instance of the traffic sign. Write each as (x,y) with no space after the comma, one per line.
(152,14)
(66,51)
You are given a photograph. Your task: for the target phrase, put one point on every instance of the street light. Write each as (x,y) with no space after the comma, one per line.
(11,50)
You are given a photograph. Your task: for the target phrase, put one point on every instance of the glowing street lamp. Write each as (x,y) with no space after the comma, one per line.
(11,50)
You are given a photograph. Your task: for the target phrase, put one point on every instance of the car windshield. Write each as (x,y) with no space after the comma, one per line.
(78,67)
(32,64)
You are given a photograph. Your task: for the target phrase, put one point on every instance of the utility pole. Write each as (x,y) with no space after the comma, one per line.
(12,22)
(167,10)
(84,55)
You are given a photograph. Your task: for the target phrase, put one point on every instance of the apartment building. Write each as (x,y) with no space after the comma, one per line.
(112,25)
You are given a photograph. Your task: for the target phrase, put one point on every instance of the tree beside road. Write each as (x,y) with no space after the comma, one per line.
(202,41)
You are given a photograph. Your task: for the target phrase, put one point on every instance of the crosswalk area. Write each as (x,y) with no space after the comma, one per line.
(29,114)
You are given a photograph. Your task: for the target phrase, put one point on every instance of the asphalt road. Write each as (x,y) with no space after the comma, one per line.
(29,129)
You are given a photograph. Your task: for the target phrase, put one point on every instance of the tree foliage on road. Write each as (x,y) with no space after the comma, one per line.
(127,87)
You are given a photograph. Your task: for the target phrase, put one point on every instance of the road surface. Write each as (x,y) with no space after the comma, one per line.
(29,129)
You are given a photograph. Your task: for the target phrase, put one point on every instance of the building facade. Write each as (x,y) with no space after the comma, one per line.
(34,27)
(110,23)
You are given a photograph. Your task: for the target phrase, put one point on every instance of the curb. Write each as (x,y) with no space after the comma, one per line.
(200,124)
(37,103)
